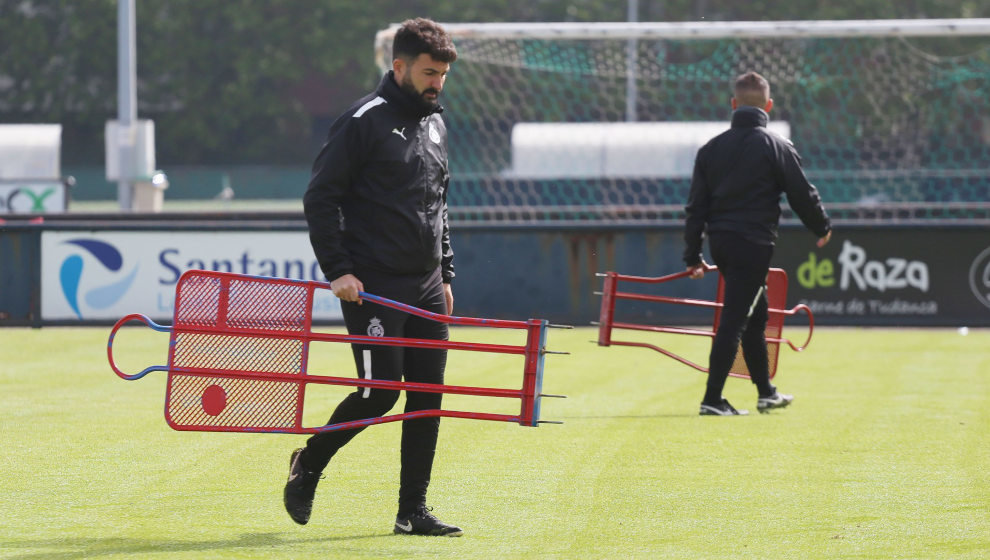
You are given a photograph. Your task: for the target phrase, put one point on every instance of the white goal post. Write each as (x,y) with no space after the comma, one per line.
(892,117)
(698,30)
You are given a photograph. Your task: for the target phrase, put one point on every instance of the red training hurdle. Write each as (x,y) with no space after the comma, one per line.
(776,299)
(239,347)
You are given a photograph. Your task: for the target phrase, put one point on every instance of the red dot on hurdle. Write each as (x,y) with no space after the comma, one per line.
(214,400)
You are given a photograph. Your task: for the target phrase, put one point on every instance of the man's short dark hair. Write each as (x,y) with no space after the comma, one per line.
(751,89)
(421,35)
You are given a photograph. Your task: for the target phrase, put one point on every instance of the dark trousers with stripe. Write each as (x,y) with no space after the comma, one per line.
(744,266)
(419,365)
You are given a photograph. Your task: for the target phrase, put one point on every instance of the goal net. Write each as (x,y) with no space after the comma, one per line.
(561,122)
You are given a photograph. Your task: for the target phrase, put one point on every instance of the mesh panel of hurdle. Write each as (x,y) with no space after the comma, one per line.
(239,348)
(776,299)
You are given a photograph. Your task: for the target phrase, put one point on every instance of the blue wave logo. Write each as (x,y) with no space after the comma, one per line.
(104,295)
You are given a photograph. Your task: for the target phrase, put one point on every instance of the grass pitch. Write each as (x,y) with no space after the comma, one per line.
(885,453)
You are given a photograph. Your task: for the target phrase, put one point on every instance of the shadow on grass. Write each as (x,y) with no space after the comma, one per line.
(67,549)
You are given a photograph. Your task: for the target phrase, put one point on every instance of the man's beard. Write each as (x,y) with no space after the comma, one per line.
(426,104)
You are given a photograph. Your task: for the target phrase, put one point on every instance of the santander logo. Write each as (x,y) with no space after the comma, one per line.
(92,276)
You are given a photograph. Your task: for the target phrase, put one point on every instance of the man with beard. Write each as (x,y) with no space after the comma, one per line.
(377,213)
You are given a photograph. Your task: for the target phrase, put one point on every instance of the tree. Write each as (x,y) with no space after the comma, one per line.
(243,81)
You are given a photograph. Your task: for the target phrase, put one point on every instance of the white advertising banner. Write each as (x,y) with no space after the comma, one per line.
(32,197)
(99,275)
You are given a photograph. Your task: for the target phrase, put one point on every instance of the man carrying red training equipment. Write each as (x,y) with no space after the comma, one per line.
(735,199)
(377,213)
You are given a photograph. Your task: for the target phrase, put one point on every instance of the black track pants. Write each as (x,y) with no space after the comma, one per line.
(744,267)
(419,436)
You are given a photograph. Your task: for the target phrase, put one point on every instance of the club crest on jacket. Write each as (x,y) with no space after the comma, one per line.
(375,327)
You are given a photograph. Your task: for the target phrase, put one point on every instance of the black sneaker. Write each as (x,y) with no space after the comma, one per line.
(422,522)
(299,489)
(776,400)
(721,409)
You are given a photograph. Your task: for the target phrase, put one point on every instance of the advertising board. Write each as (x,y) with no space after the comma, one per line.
(892,276)
(32,197)
(104,275)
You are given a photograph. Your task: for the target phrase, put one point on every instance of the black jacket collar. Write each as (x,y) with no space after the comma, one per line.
(408,104)
(749,117)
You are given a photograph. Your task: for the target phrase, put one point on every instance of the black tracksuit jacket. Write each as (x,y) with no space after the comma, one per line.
(738,179)
(378,193)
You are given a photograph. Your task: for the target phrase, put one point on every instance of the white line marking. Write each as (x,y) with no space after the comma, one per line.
(367,371)
(755,299)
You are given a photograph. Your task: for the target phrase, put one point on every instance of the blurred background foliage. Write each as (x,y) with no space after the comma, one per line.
(259,81)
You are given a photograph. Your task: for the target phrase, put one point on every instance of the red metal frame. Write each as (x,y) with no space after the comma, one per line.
(210,314)
(611,294)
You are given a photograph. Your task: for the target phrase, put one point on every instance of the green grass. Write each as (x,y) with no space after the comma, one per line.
(884,454)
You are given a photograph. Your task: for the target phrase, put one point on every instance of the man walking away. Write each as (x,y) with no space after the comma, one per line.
(738,179)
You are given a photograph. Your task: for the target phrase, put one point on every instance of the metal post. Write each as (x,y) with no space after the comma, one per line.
(126,100)
(632,14)
(607,313)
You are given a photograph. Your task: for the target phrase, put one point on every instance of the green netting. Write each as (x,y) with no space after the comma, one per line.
(878,120)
